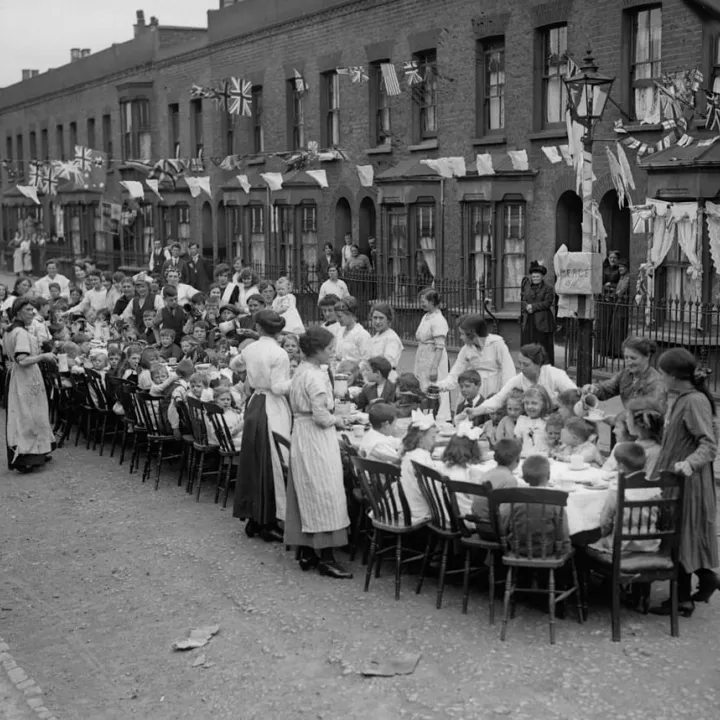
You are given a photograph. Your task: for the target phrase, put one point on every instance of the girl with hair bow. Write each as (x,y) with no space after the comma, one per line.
(460,460)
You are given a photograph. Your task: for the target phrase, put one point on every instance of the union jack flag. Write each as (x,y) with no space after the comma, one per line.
(36,169)
(239,97)
(83,158)
(12,174)
(412,73)
(198,92)
(50,179)
(221,96)
(712,120)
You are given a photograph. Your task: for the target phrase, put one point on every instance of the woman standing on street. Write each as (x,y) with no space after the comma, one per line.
(538,321)
(29,435)
(317,517)
(260,492)
(689,447)
(385,342)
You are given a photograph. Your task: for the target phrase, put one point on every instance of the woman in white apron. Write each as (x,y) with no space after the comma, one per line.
(317,517)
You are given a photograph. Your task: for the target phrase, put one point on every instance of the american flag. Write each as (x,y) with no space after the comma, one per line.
(239,97)
(392,85)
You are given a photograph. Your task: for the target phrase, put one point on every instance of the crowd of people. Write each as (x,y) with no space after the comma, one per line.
(239,342)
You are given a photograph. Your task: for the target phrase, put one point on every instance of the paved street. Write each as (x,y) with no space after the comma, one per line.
(100,574)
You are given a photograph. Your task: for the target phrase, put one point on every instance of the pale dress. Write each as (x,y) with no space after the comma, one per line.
(431,335)
(386,344)
(317,506)
(286,307)
(352,344)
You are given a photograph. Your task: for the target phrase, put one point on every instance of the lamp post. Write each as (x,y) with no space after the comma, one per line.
(588,93)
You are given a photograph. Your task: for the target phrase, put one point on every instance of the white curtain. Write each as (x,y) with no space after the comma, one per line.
(712,215)
(685,216)
(427,245)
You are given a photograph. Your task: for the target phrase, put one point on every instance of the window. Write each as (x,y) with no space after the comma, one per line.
(308,235)
(645,57)
(235,246)
(196,126)
(512,239)
(478,246)
(79,227)
(398,245)
(135,129)
(9,154)
(425,96)
(227,123)
(175,222)
(425,247)
(20,154)
(91,133)
(138,233)
(174,129)
(553,44)
(491,85)
(330,109)
(257,119)
(33,145)
(73,138)
(255,218)
(60,142)
(44,145)
(296,116)
(283,229)
(107,136)
(380,132)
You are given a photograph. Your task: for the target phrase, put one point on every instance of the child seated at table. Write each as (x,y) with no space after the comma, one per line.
(630,458)
(544,525)
(578,437)
(460,455)
(469,384)
(379,443)
(622,434)
(513,410)
(646,422)
(507,457)
(417,446)
(199,387)
(490,428)
(377,387)
(408,395)
(567,400)
(553,432)
(530,427)
(163,382)
(168,349)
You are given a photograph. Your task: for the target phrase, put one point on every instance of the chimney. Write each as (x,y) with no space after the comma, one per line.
(154,22)
(85,52)
(34,73)
(26,74)
(74,54)
(139,26)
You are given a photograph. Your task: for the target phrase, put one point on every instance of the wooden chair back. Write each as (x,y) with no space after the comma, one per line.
(216,416)
(123,391)
(652,517)
(153,412)
(436,492)
(98,391)
(197,416)
(535,522)
(282,445)
(347,452)
(471,524)
(381,487)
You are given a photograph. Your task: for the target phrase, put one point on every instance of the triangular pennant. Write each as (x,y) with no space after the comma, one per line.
(320,176)
(244,183)
(274,180)
(365,175)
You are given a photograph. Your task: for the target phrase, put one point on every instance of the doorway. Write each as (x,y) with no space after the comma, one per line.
(568,221)
(207,231)
(223,249)
(366,220)
(617,224)
(343,222)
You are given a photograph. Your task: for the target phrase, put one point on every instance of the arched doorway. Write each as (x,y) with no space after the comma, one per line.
(568,221)
(617,223)
(224,254)
(207,231)
(343,221)
(366,220)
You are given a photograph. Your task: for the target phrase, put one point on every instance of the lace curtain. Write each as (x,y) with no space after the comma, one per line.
(426,233)
(513,251)
(648,39)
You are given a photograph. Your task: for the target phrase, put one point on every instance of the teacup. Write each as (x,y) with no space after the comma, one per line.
(358,431)
(577,462)
(62,360)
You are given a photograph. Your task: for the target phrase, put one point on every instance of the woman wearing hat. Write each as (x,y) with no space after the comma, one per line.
(618,327)
(353,339)
(537,318)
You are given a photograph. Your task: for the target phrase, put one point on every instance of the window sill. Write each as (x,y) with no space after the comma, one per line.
(637,127)
(380,150)
(256,161)
(426,145)
(489,140)
(550,134)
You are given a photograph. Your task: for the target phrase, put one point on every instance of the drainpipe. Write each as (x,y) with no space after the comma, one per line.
(442,228)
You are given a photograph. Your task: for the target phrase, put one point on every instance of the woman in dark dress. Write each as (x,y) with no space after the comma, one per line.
(689,447)
(611,275)
(537,319)
(619,311)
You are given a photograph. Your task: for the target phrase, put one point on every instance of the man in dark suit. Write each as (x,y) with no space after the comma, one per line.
(377,386)
(469,383)
(198,269)
(176,263)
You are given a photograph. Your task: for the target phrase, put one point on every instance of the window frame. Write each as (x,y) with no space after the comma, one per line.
(380,111)
(90,133)
(197,143)
(174,222)
(32,145)
(330,109)
(107,140)
(60,140)
(635,83)
(72,137)
(485,48)
(256,116)
(544,77)
(174,143)
(135,127)
(427,67)
(501,300)
(45,144)
(296,116)
(469,251)
(714,76)
(20,153)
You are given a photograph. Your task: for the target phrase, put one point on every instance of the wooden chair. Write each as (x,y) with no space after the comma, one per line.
(124,391)
(187,439)
(60,405)
(476,534)
(139,431)
(229,455)
(391,516)
(640,520)
(153,411)
(202,448)
(83,406)
(103,400)
(443,526)
(282,446)
(538,547)
(357,505)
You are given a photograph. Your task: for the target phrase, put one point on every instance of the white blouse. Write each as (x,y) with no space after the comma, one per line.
(386,344)
(353,344)
(551,378)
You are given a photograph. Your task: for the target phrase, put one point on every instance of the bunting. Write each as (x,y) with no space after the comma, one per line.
(412,73)
(712,120)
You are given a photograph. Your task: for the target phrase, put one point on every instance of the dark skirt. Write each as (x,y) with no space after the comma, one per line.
(255,488)
(618,330)
(530,334)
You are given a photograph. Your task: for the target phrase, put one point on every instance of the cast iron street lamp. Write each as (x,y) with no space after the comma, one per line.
(588,93)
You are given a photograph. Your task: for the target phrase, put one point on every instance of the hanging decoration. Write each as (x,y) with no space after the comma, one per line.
(154,185)
(356,73)
(29,192)
(551,153)
(712,218)
(519,159)
(484,164)
(274,180)
(618,180)
(244,183)
(134,188)
(239,100)
(366,175)
(320,177)
(412,73)
(712,121)
(390,78)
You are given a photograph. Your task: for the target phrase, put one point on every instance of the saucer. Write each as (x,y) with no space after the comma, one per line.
(595,416)
(585,466)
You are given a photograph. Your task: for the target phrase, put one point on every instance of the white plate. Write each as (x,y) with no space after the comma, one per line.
(585,466)
(595,416)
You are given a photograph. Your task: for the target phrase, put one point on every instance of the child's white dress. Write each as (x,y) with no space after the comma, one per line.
(286,306)
(532,434)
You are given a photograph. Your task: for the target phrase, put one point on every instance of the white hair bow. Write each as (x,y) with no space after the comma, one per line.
(421,420)
(468,430)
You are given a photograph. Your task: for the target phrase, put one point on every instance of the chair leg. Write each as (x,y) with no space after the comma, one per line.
(356,534)
(81,421)
(161,451)
(615,612)
(378,563)
(148,459)
(371,559)
(191,472)
(135,456)
(227,481)
(423,567)
(183,460)
(674,626)
(88,423)
(509,589)
(220,484)
(115,437)
(491,580)
(103,433)
(551,604)
(578,599)
(466,581)
(443,568)
(198,479)
(398,565)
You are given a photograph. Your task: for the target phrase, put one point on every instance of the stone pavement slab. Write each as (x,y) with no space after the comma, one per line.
(13,704)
